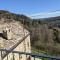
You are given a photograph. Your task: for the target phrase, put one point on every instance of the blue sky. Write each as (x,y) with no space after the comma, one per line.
(30,7)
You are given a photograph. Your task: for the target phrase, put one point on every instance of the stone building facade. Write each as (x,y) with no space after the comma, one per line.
(15,38)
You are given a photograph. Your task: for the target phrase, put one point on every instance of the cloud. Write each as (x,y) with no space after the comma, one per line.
(45,15)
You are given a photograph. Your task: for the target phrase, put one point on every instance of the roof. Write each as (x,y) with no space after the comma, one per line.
(18,32)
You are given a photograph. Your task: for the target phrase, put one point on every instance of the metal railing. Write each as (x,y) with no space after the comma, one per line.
(11,49)
(17,55)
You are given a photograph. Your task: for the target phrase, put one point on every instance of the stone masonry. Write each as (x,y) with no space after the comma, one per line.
(11,33)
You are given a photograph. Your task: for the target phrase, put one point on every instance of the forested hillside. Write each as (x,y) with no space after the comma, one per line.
(45,33)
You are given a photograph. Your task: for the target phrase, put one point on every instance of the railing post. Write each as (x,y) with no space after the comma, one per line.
(13,56)
(1,55)
(19,56)
(34,57)
(7,57)
(26,56)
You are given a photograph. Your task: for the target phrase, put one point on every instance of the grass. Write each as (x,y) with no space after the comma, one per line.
(39,52)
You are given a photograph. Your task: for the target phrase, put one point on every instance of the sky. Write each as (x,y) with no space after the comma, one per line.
(31,7)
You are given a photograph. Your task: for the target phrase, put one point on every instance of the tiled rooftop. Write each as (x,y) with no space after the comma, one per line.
(17,34)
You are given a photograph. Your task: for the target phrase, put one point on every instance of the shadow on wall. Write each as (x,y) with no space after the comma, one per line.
(1,35)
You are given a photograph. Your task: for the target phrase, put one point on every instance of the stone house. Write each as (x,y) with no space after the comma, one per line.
(15,38)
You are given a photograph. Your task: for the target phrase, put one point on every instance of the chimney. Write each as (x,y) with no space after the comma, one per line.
(7,33)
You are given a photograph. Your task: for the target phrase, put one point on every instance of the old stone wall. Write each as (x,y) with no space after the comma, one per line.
(24,46)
